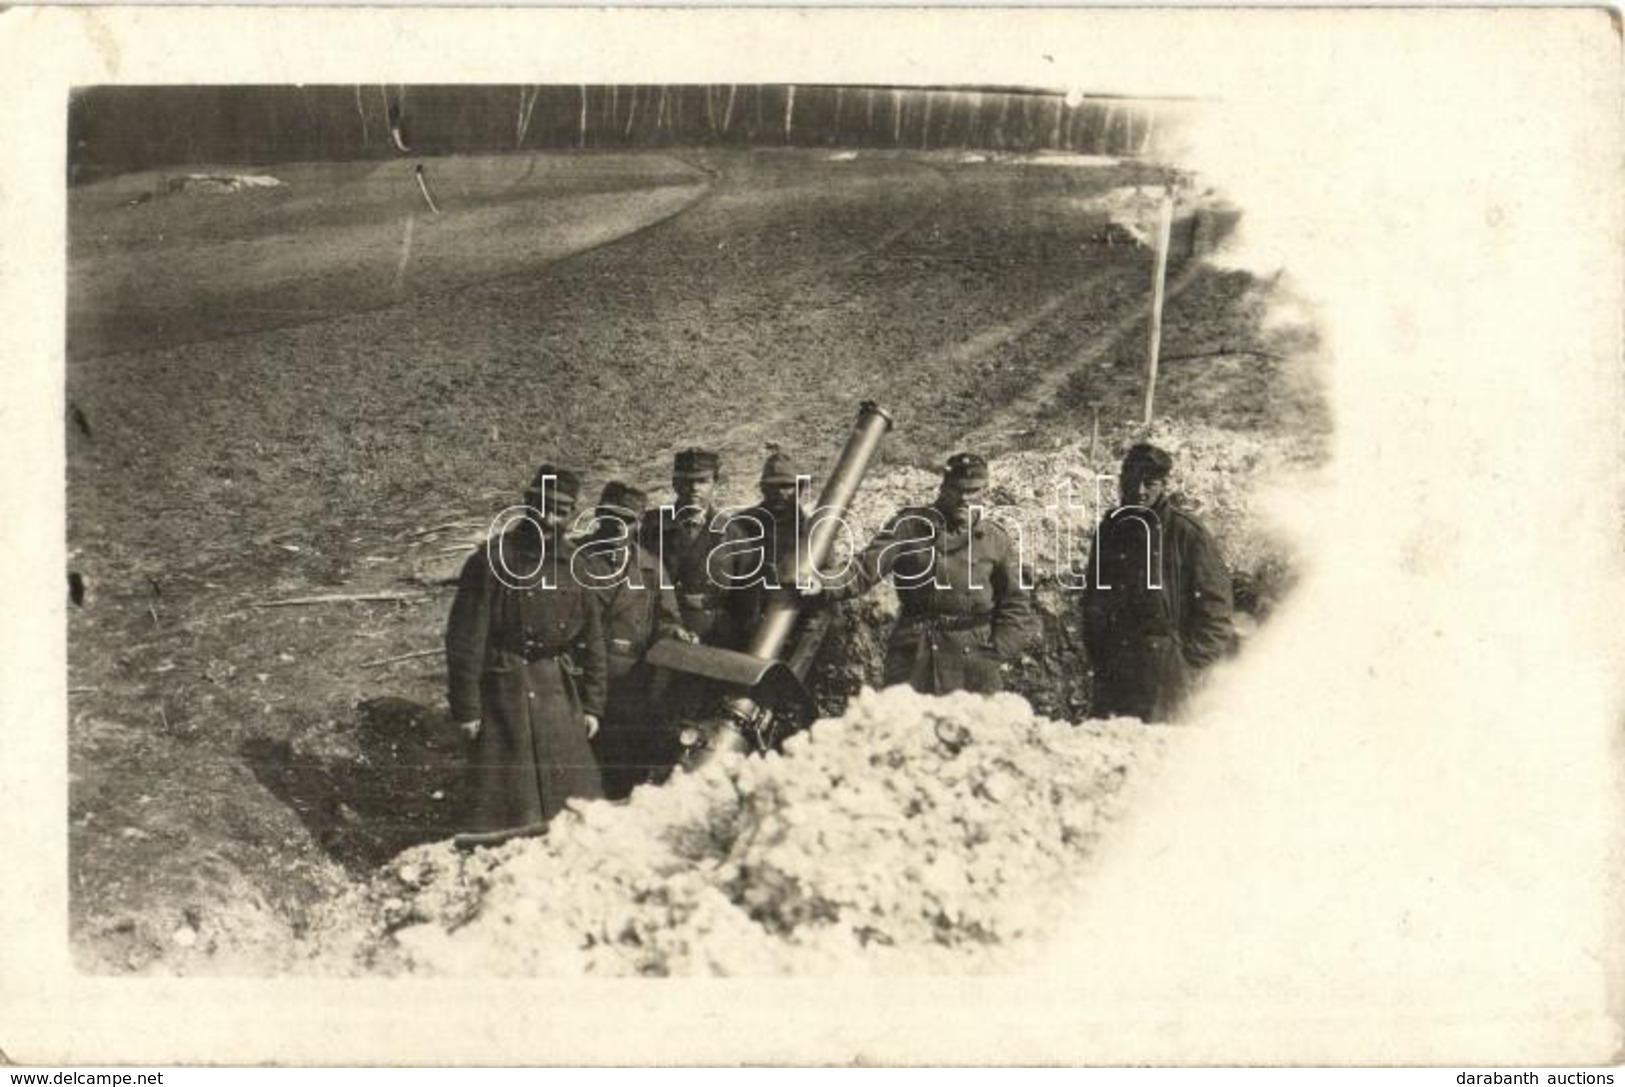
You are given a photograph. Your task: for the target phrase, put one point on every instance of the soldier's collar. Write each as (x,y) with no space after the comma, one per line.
(1161,507)
(972,526)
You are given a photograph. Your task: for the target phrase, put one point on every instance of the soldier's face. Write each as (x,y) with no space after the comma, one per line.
(778,496)
(1138,489)
(556,513)
(958,498)
(616,526)
(694,490)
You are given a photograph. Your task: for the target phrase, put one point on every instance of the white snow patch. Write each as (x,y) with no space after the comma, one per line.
(221,182)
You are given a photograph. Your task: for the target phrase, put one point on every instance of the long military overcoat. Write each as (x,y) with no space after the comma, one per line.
(527,659)
(1156,610)
(636,611)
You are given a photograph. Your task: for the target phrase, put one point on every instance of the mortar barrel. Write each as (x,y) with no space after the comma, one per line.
(779,616)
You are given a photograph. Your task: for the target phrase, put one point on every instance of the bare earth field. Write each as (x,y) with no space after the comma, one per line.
(326,388)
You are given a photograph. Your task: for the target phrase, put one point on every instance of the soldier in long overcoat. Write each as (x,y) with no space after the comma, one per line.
(526,666)
(1156,601)
(966,609)
(634,745)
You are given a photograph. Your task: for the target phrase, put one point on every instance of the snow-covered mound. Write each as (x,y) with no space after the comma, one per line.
(913,833)
(222,183)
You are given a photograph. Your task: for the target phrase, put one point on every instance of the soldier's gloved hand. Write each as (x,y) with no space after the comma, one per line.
(469,729)
(683,634)
(811,587)
(591,723)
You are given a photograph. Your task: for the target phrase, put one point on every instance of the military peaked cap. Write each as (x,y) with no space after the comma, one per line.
(1147,460)
(622,498)
(966,468)
(696,462)
(778,468)
(555,483)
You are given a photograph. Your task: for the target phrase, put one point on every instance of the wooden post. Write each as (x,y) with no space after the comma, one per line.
(1165,221)
(789,111)
(361,109)
(527,106)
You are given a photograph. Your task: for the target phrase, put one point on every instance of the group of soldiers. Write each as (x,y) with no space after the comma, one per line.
(547,672)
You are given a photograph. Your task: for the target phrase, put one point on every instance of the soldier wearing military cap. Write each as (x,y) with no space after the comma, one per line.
(1156,602)
(965,608)
(781,524)
(703,553)
(634,746)
(526,664)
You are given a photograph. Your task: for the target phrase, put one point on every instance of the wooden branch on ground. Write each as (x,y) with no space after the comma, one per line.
(441,528)
(466,842)
(336,598)
(420,654)
(1223,351)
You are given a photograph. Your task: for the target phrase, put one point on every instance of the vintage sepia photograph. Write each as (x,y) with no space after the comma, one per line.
(1017,503)
(321,720)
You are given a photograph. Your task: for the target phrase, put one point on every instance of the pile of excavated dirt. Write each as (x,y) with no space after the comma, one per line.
(1050,500)
(911,834)
(1055,495)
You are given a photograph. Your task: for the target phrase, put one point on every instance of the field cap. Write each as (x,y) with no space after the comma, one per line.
(695,464)
(966,468)
(560,484)
(778,468)
(622,500)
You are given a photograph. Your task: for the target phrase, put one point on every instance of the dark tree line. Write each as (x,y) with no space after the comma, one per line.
(113,128)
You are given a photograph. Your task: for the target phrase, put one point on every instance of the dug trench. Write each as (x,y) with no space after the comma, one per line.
(256,715)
